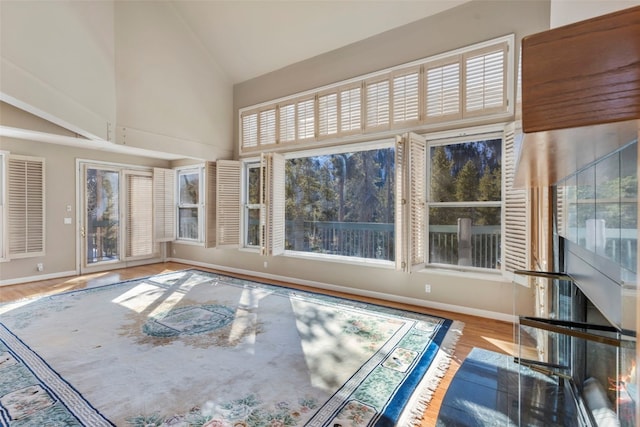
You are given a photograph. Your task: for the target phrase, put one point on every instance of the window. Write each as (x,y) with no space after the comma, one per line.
(252,206)
(25,200)
(465,202)
(442,90)
(341,204)
(190,204)
(464,86)
(406,101)
(377,104)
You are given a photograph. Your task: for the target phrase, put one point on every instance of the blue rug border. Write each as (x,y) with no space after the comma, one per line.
(42,383)
(394,408)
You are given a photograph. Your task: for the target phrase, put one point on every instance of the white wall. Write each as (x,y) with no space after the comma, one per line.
(131,72)
(58,60)
(171,94)
(565,12)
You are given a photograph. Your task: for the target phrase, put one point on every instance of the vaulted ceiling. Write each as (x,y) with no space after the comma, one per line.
(252,38)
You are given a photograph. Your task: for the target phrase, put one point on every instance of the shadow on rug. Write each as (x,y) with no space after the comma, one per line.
(193,348)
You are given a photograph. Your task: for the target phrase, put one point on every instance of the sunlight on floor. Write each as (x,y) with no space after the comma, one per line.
(141,297)
(246,318)
(507,347)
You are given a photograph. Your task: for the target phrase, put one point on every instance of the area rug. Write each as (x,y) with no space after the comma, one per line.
(193,348)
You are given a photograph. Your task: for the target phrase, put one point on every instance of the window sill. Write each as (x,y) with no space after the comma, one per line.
(188,242)
(341,259)
(495,276)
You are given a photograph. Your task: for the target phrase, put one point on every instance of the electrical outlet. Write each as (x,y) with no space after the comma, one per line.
(266,264)
(427,288)
(39,266)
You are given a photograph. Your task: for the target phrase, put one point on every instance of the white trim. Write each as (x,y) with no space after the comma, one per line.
(20,280)
(89,144)
(358,292)
(509,39)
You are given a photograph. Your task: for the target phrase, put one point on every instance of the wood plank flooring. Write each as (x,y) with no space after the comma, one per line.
(478,332)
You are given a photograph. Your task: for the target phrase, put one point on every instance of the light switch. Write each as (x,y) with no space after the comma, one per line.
(68,220)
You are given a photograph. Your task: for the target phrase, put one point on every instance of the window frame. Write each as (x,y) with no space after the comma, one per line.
(199,206)
(247,166)
(458,137)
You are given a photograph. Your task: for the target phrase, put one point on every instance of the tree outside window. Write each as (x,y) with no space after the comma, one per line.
(341,204)
(465,203)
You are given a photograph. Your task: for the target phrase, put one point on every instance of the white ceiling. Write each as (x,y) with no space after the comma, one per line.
(251,38)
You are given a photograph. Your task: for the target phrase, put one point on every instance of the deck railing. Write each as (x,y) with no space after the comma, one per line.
(377,241)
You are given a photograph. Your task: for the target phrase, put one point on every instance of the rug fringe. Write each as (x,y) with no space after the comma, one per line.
(433,377)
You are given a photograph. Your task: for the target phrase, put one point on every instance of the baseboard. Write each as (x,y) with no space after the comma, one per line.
(379,295)
(39,277)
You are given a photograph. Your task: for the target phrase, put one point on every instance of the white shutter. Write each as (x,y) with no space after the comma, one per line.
(267,127)
(164,205)
(272,200)
(305,119)
(400,224)
(350,110)
(485,81)
(328,114)
(227,203)
(26,205)
(516,240)
(377,104)
(139,215)
(410,201)
(210,191)
(442,91)
(287,123)
(406,92)
(250,130)
(276,203)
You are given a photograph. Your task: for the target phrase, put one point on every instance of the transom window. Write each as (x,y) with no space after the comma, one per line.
(458,86)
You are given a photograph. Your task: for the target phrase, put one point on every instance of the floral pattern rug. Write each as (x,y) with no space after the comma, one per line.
(194,348)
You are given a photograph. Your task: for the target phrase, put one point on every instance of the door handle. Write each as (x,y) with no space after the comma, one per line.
(83,232)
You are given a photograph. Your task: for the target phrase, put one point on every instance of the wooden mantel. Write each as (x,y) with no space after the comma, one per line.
(582,74)
(580,95)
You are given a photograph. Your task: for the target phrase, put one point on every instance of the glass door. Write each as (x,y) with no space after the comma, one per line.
(100,228)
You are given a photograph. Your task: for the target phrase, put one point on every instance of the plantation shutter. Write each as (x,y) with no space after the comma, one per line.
(227,203)
(442,91)
(272,212)
(287,122)
(516,241)
(377,104)
(164,205)
(485,81)
(250,130)
(328,114)
(305,119)
(139,215)
(350,110)
(25,194)
(406,92)
(410,201)
(267,127)
(210,190)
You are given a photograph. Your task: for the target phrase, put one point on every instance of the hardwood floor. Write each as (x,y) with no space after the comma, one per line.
(478,332)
